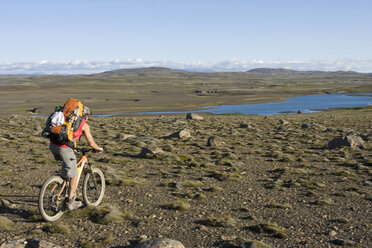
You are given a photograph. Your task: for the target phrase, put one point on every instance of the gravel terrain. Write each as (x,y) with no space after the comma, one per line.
(220,181)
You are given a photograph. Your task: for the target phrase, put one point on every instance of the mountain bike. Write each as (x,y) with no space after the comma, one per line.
(53,196)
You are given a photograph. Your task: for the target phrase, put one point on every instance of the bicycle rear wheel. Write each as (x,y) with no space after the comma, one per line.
(94,187)
(52,198)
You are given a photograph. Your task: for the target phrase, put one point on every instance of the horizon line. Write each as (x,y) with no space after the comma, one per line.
(76,67)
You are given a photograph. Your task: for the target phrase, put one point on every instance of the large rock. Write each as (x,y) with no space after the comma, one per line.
(183,134)
(193,116)
(283,122)
(124,136)
(214,141)
(350,140)
(150,150)
(160,243)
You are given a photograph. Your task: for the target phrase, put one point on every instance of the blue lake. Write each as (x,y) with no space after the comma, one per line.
(305,104)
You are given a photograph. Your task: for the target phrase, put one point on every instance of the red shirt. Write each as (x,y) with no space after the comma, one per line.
(76,135)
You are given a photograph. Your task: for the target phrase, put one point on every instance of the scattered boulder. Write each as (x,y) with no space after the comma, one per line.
(332,233)
(123,136)
(283,122)
(150,150)
(160,243)
(312,126)
(183,134)
(214,141)
(193,116)
(5,203)
(233,132)
(308,125)
(350,140)
(281,128)
(245,125)
(367,137)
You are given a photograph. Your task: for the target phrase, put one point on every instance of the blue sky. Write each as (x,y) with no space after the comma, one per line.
(90,35)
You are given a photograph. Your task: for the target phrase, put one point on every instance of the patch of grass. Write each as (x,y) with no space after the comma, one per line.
(6,173)
(199,196)
(215,188)
(270,228)
(56,228)
(287,158)
(107,215)
(324,202)
(34,214)
(343,173)
(127,181)
(109,239)
(207,165)
(179,204)
(278,205)
(226,162)
(184,158)
(219,222)
(225,176)
(5,223)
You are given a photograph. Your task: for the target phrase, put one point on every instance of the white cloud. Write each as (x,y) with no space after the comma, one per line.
(90,67)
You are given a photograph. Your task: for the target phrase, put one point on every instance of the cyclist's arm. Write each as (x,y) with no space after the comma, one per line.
(89,137)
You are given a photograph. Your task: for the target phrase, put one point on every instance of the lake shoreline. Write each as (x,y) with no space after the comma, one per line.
(300,108)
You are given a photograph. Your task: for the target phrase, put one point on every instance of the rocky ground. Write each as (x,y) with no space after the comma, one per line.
(220,181)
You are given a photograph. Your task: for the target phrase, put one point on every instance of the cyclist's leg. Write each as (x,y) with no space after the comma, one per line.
(69,170)
(69,162)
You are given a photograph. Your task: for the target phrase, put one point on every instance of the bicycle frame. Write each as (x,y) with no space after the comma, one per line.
(80,167)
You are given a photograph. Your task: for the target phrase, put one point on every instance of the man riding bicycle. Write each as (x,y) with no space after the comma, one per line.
(69,161)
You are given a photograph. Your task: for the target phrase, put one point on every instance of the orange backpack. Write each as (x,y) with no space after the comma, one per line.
(64,122)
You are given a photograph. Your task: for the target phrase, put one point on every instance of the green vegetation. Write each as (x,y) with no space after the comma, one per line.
(219,222)
(56,228)
(179,204)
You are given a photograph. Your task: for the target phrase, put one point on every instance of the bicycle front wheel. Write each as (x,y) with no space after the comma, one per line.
(52,198)
(94,187)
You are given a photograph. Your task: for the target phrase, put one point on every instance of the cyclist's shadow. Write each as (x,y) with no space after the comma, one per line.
(15,207)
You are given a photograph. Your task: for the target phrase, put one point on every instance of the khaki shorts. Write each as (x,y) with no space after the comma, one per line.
(69,163)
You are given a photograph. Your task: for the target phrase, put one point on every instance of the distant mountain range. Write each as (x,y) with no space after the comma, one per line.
(167,71)
(262,71)
(288,72)
(143,71)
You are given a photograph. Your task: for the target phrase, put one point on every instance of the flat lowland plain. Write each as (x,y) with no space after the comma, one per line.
(161,89)
(271,180)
